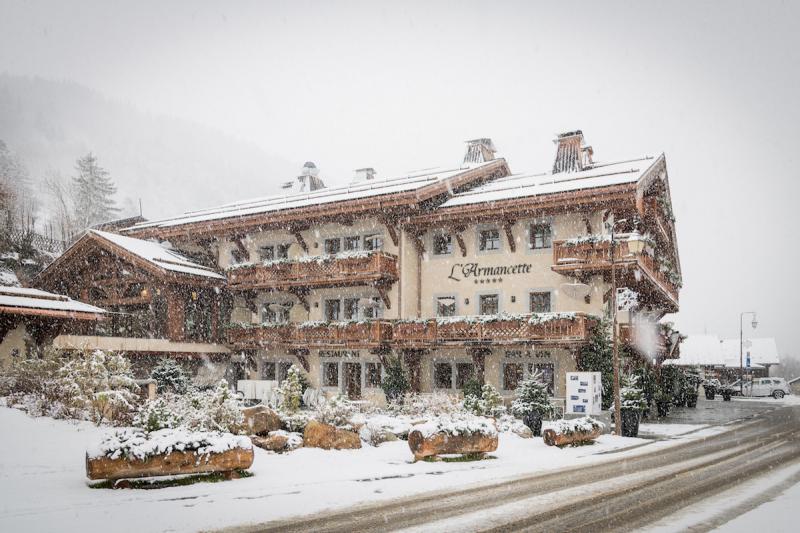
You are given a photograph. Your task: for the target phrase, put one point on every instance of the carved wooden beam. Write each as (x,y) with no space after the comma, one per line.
(507,227)
(302,297)
(300,240)
(392,229)
(302,356)
(382,291)
(238,241)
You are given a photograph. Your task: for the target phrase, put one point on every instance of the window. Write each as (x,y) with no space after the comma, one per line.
(540,302)
(268,371)
(375,310)
(330,374)
(272,313)
(282,251)
(446,306)
(464,373)
(351,309)
(373,377)
(541,236)
(333,246)
(512,375)
(548,375)
(442,243)
(266,253)
(442,376)
(489,240)
(332,310)
(488,304)
(352,243)
(373,242)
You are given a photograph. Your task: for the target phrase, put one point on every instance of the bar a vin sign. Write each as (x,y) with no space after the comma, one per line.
(466,271)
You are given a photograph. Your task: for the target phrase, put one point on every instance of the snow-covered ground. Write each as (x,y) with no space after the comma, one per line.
(43,485)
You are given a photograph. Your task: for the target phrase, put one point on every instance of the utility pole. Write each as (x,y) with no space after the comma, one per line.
(617,406)
(741,345)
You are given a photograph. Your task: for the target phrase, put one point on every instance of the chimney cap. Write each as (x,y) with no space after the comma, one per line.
(479,150)
(566,134)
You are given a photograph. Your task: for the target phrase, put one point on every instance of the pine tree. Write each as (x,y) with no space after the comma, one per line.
(94,193)
(532,398)
(170,377)
(597,356)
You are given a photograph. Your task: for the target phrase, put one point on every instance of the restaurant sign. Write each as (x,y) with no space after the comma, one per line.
(351,354)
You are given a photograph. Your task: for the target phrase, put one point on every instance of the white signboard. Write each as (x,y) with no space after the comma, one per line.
(584,393)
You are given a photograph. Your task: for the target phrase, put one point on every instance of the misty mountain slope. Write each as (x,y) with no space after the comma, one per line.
(173,165)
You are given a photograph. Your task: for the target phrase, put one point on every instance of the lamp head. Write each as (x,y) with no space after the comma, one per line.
(755,322)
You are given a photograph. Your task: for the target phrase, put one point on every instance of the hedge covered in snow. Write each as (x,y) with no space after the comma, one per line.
(576,425)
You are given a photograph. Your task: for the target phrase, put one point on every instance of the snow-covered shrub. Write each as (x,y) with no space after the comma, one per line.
(457,425)
(99,386)
(532,399)
(160,413)
(33,385)
(631,395)
(378,427)
(170,376)
(509,423)
(137,444)
(472,387)
(216,409)
(428,405)
(337,412)
(290,390)
(489,403)
(295,422)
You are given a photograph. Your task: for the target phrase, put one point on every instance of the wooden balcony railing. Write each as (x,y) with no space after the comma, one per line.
(596,256)
(553,328)
(327,271)
(370,333)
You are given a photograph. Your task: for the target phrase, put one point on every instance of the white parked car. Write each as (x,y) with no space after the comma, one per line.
(775,387)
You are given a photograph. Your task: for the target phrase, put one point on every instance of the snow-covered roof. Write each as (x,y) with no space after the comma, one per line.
(525,185)
(159,255)
(22,298)
(763,351)
(710,350)
(352,191)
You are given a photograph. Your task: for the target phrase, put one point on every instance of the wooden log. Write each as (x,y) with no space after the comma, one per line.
(169,464)
(551,438)
(444,443)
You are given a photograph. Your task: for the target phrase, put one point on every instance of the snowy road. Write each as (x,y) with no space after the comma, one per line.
(619,496)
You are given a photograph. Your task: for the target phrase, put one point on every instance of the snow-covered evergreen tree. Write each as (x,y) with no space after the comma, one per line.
(291,390)
(170,376)
(532,399)
(487,404)
(94,192)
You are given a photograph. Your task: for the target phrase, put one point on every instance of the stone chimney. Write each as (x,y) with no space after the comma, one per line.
(572,155)
(307,181)
(479,151)
(364,174)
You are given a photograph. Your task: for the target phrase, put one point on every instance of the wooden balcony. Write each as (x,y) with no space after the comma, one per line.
(328,271)
(593,257)
(511,330)
(364,334)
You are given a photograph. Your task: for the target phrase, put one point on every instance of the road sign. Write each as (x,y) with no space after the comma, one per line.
(748,360)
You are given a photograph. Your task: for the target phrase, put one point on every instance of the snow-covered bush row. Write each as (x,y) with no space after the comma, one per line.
(203,410)
(570,427)
(135,443)
(95,386)
(457,425)
(427,405)
(532,318)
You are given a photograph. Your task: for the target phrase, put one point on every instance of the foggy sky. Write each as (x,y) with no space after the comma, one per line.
(400,85)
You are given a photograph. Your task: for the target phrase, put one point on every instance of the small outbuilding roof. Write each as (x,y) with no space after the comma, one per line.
(710,350)
(35,302)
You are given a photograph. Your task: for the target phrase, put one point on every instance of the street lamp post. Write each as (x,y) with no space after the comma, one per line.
(741,345)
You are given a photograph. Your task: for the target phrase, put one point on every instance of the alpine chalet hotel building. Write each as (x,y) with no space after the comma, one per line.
(458,272)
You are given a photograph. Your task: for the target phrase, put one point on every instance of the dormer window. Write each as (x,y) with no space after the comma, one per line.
(333,246)
(352,244)
(373,242)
